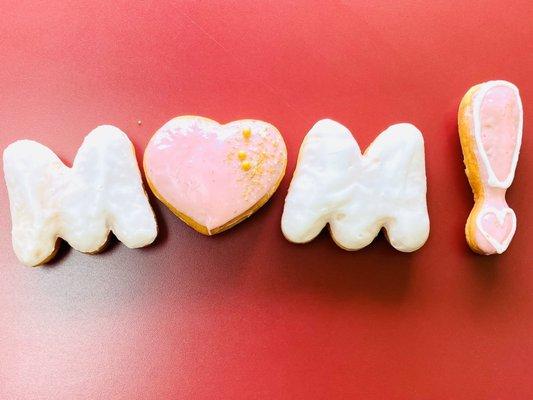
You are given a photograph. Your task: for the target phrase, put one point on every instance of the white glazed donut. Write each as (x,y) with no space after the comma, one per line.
(359,194)
(102,191)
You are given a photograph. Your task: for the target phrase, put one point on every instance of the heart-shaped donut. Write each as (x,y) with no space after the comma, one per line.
(213,176)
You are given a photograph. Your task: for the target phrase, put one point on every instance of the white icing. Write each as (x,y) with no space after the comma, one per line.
(358,194)
(500,214)
(478,99)
(102,191)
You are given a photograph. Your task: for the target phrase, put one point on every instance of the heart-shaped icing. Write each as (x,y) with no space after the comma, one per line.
(497,226)
(211,175)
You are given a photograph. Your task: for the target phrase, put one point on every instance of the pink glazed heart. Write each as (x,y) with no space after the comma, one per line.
(212,176)
(498,227)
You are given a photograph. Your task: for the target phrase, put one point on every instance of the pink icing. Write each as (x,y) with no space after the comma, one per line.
(498,229)
(499,116)
(499,120)
(213,173)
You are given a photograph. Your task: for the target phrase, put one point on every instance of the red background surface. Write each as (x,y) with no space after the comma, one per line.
(246,314)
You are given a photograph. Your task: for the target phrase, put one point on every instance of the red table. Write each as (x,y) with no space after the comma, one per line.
(246,314)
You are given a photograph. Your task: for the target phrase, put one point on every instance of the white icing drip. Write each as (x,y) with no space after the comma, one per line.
(478,100)
(358,194)
(103,191)
(500,247)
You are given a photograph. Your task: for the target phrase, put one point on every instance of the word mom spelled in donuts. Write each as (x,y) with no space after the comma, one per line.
(213,176)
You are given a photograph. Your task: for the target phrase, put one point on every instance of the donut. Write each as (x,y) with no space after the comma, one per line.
(102,192)
(213,176)
(490,120)
(358,194)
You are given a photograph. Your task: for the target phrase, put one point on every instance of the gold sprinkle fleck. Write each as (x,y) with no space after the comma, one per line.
(245,165)
(242,155)
(246,133)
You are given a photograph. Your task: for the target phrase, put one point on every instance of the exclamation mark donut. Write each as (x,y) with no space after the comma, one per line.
(490,127)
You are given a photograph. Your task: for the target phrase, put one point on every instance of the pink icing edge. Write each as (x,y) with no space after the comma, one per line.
(473,123)
(242,205)
(508,140)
